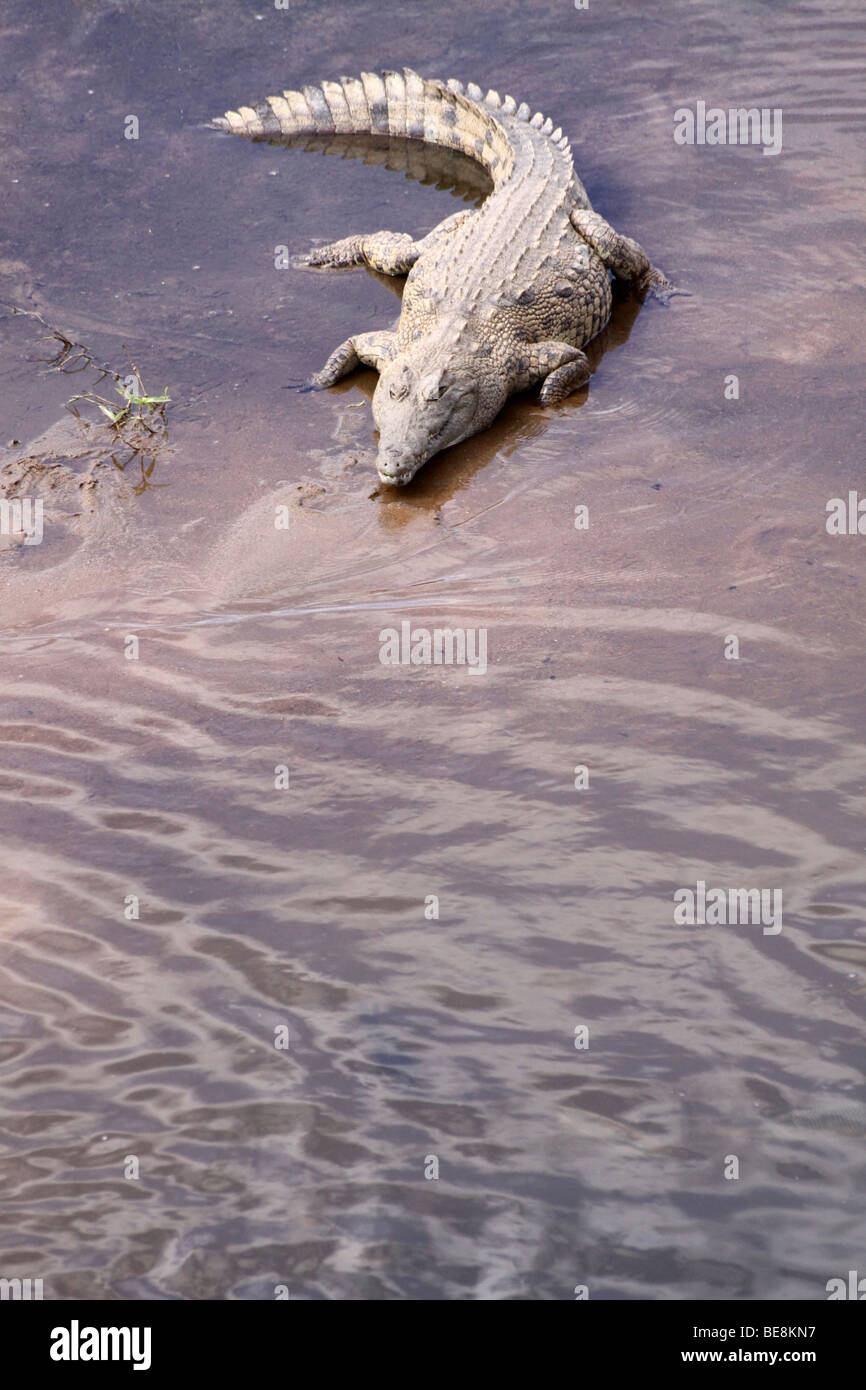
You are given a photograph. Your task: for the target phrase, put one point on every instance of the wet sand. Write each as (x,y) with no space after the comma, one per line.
(262,908)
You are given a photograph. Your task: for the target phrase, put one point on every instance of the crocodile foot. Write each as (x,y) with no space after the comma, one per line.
(336,255)
(654,283)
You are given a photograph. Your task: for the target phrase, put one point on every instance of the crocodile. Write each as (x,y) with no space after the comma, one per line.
(498,299)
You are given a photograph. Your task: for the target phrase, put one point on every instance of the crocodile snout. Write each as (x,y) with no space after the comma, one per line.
(395,468)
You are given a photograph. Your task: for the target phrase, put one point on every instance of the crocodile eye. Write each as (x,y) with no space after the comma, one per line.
(435,386)
(446,381)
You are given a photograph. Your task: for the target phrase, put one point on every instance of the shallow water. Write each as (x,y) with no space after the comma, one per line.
(304,908)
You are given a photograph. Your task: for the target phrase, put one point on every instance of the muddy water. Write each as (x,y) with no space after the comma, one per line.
(259,908)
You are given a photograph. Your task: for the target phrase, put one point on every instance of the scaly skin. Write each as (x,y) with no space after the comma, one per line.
(497,300)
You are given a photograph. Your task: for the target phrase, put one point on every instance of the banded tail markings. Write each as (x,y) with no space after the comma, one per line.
(399,104)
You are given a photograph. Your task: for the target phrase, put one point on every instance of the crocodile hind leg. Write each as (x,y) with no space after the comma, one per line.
(364,349)
(620,254)
(391,253)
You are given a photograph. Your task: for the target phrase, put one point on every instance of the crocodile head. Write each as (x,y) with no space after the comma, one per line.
(424,402)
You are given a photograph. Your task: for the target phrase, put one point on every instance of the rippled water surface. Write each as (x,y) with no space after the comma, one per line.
(261,908)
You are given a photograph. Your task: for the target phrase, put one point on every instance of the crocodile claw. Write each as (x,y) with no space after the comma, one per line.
(654,283)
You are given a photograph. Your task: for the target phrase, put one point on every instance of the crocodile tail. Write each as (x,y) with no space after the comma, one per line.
(398,104)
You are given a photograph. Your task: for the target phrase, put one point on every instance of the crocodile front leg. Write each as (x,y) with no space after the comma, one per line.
(625,258)
(560,368)
(565,379)
(391,253)
(365,349)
